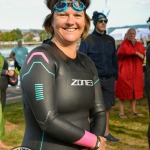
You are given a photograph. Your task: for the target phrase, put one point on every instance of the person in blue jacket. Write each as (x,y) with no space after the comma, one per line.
(100,47)
(19,54)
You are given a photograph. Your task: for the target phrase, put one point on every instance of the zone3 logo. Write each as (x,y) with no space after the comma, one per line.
(78,82)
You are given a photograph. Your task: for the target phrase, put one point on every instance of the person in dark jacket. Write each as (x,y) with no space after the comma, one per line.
(147,83)
(100,47)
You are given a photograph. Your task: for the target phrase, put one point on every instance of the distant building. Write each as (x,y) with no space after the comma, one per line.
(36,38)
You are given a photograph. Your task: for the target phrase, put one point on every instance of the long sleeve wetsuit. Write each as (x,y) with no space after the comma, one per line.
(59,94)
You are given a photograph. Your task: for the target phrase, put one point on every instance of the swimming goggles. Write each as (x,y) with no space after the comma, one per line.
(63,6)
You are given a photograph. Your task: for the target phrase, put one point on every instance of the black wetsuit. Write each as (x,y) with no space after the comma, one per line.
(59,94)
(147,83)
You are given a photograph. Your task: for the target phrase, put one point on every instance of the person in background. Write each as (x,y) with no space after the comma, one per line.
(60,86)
(4,73)
(148,21)
(19,54)
(100,47)
(130,83)
(147,83)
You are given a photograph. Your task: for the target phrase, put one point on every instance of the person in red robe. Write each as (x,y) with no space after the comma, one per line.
(130,82)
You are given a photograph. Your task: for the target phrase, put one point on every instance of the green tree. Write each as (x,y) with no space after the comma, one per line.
(16,34)
(0,36)
(44,35)
(13,35)
(28,38)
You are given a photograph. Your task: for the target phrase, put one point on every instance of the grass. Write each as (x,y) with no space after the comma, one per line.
(131,131)
(14,124)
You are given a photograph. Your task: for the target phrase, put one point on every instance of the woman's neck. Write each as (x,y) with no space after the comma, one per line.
(67,49)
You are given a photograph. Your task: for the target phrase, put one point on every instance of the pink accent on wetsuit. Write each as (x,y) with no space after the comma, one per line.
(88,140)
(38,53)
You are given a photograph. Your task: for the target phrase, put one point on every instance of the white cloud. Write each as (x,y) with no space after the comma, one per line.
(144,4)
(31,13)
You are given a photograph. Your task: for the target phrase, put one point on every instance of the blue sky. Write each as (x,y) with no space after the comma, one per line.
(30,14)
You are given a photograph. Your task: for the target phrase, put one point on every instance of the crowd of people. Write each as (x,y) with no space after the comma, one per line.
(75,87)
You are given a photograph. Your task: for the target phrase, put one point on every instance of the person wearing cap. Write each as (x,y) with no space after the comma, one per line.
(19,53)
(100,47)
(60,86)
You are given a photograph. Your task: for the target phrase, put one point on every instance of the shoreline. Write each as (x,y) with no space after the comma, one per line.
(7,47)
(11,44)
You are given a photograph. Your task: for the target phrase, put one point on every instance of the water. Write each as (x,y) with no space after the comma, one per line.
(6,52)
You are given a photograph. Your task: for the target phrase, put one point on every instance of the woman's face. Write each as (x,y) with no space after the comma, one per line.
(131,35)
(68,25)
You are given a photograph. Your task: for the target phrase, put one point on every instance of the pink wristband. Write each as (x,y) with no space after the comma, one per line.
(88,140)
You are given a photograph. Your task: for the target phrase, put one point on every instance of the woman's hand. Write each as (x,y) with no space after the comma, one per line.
(102,144)
(140,55)
(10,72)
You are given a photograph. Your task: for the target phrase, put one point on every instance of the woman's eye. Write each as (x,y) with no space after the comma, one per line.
(78,15)
(62,14)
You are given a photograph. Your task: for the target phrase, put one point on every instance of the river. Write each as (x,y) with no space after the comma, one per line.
(6,51)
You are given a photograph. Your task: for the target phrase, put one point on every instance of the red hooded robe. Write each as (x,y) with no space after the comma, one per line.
(130,83)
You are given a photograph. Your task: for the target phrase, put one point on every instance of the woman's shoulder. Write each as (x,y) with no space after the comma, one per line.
(41,49)
(85,57)
(42,52)
(82,55)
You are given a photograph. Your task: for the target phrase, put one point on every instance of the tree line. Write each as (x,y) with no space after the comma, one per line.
(13,35)
(17,34)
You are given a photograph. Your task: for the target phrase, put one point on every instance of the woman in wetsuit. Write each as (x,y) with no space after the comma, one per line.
(60,86)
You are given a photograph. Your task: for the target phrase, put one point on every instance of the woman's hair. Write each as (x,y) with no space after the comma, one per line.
(49,18)
(48,24)
(51,3)
(131,29)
